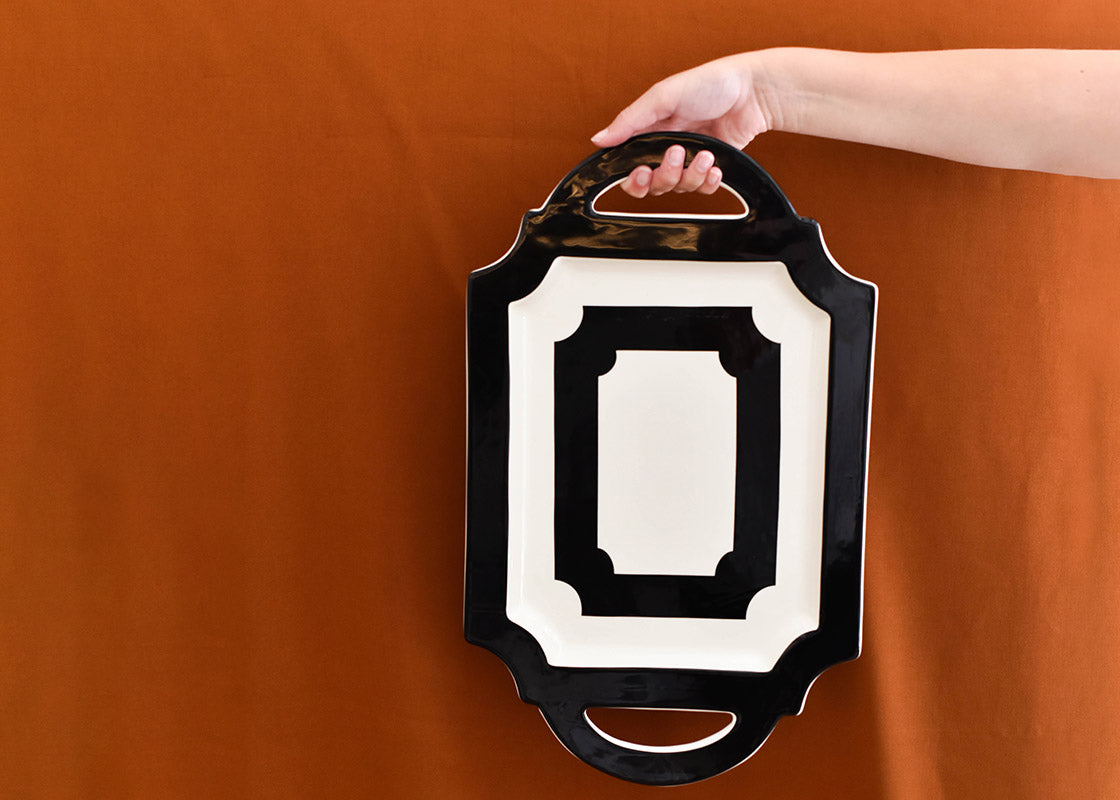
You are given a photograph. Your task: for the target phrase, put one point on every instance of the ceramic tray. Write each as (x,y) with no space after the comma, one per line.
(668,426)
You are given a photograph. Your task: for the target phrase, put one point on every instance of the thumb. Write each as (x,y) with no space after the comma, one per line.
(609,136)
(641,116)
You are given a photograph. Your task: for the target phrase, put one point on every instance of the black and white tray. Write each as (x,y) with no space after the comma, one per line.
(667,447)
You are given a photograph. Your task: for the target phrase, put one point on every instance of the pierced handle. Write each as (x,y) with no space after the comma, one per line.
(655,766)
(578,191)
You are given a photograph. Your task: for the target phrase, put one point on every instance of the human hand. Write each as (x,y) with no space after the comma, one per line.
(720,99)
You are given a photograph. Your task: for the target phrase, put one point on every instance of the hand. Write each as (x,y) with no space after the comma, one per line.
(718,99)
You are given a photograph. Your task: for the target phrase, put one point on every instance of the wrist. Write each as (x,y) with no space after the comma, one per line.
(767,73)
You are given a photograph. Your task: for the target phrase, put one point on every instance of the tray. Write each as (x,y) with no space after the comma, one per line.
(667,443)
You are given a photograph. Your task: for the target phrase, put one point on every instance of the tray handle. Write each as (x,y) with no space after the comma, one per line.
(658,766)
(576,194)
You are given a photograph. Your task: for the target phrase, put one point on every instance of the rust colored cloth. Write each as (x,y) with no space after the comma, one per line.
(234,241)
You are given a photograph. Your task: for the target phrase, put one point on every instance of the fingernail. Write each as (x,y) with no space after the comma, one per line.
(675,156)
(704,160)
(641,178)
(600,134)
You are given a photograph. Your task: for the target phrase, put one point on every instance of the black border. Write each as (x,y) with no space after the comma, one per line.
(567,225)
(745,354)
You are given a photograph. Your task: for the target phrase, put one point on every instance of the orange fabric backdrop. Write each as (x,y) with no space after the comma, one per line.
(234,240)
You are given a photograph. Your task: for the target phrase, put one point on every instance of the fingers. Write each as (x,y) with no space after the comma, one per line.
(693,177)
(672,176)
(711,182)
(636,183)
(668,175)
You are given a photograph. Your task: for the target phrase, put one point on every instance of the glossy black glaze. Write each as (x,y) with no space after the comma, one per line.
(745,354)
(567,225)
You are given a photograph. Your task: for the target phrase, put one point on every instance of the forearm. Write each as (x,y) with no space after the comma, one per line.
(1049,110)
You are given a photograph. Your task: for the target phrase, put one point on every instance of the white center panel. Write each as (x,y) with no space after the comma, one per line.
(666,472)
(550,609)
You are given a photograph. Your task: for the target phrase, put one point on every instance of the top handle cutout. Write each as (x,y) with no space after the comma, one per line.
(613,202)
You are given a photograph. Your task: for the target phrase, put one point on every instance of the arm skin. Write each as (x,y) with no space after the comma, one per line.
(1046,110)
